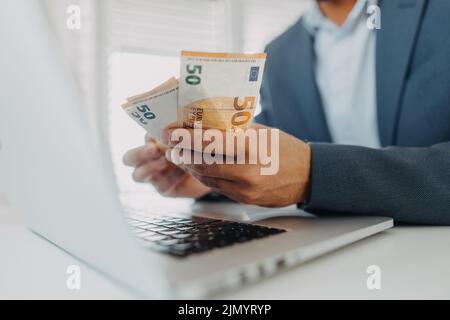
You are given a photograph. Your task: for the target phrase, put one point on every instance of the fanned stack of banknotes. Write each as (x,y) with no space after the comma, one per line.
(214,91)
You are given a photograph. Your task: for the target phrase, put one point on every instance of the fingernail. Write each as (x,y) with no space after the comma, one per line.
(148,137)
(125,159)
(151,148)
(168,155)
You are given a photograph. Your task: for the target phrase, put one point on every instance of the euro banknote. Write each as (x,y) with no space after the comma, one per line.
(215,90)
(219,90)
(155,109)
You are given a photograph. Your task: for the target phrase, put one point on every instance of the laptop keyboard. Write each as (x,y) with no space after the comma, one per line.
(181,237)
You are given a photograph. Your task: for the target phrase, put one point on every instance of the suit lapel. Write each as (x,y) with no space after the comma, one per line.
(305,91)
(395,42)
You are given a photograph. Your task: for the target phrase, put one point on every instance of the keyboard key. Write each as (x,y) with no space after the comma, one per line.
(185,228)
(137,231)
(159,248)
(181,235)
(145,234)
(168,242)
(169,232)
(156,237)
(157,229)
(148,227)
(177,220)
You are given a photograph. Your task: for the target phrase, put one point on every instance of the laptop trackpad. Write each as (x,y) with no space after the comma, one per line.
(244,213)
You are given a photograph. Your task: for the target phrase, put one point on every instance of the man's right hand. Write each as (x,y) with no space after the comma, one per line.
(151,166)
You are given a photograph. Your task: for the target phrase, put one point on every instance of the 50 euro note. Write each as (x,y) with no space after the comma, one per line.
(155,109)
(219,90)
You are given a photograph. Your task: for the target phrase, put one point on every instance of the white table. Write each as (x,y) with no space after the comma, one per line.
(414,262)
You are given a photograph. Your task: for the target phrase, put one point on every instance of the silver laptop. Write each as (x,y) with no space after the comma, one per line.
(54,172)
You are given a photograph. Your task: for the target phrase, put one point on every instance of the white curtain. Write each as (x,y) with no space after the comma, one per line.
(86,49)
(167,26)
(161,27)
(164,27)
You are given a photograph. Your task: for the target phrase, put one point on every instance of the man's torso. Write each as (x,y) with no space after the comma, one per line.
(412,78)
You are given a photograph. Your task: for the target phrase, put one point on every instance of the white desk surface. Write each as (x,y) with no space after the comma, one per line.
(414,262)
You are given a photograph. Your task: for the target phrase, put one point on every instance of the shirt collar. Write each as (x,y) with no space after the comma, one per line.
(314,20)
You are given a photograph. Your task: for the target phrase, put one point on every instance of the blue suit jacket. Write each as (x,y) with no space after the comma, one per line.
(409,179)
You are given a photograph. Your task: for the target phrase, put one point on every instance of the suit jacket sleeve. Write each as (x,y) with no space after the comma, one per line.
(265,117)
(408,184)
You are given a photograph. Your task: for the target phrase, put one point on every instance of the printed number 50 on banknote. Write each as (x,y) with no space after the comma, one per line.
(219,90)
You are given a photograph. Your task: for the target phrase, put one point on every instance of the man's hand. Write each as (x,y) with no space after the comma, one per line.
(151,166)
(244,182)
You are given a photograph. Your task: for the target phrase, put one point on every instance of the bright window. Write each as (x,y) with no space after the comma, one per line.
(132,73)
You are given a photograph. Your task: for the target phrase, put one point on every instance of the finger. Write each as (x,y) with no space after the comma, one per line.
(148,138)
(231,189)
(146,172)
(162,148)
(228,188)
(165,136)
(139,155)
(218,171)
(192,162)
(237,143)
(140,174)
(168,180)
(193,139)
(217,184)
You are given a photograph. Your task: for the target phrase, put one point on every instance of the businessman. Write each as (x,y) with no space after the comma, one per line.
(364,114)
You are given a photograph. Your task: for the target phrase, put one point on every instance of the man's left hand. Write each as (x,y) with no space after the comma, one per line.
(244,182)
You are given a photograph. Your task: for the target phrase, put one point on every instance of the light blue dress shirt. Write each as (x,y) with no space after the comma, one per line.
(345,74)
